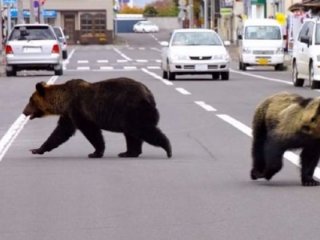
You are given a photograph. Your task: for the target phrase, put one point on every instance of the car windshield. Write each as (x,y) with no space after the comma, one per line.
(58,32)
(31,33)
(196,38)
(317,42)
(262,33)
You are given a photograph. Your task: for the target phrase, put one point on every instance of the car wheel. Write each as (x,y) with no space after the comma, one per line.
(11,73)
(240,66)
(64,54)
(171,75)
(165,74)
(59,71)
(313,84)
(297,82)
(215,76)
(279,67)
(225,75)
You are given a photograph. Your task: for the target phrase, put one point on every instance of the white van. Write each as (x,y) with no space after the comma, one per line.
(261,44)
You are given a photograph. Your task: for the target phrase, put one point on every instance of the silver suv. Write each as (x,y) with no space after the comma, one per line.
(33,47)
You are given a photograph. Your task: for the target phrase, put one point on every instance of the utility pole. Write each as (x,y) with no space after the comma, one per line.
(1,26)
(20,11)
(205,10)
(32,16)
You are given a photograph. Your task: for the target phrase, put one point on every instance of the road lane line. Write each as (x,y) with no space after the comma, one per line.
(261,77)
(122,54)
(289,155)
(183,91)
(7,140)
(205,106)
(157,77)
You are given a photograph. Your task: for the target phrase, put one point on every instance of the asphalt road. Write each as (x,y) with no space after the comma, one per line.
(203,192)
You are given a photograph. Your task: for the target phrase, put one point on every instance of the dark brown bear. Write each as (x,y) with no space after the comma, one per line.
(117,105)
(283,122)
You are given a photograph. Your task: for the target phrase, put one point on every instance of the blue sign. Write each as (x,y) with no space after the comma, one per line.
(8,2)
(26,13)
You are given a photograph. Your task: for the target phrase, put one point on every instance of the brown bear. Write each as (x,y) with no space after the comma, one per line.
(118,105)
(282,122)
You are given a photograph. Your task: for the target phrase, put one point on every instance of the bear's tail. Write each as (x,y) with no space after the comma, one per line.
(259,135)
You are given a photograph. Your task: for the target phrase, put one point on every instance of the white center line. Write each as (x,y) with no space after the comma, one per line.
(183,91)
(205,106)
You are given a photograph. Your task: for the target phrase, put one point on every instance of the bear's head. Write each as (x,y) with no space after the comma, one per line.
(46,100)
(311,118)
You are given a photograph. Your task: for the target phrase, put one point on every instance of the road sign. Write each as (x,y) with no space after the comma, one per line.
(8,2)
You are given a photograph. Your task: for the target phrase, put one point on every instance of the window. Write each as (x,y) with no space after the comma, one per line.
(93,23)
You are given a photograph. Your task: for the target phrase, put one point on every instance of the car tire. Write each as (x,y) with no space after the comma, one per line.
(297,82)
(215,76)
(11,73)
(171,75)
(279,67)
(64,54)
(313,84)
(59,72)
(165,74)
(225,75)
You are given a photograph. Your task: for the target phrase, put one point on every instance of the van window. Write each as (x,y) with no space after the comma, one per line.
(317,42)
(262,33)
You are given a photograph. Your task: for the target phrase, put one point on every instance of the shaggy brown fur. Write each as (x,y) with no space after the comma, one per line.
(118,105)
(282,122)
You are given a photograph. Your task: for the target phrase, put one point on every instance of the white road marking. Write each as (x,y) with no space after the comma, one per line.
(83,68)
(122,54)
(183,91)
(83,61)
(130,68)
(8,138)
(261,77)
(122,61)
(157,77)
(205,106)
(141,60)
(106,68)
(153,67)
(103,61)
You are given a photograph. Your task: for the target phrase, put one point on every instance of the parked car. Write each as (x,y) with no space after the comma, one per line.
(195,51)
(306,54)
(33,47)
(63,41)
(145,26)
(261,44)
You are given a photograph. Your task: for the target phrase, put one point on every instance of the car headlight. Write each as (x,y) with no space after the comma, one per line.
(279,50)
(221,57)
(246,50)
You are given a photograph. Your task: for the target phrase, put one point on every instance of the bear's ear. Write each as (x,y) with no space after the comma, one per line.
(40,87)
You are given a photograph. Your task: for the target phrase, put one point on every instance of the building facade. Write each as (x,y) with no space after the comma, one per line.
(85,22)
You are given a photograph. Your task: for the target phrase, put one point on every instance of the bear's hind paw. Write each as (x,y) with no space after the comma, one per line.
(96,155)
(129,154)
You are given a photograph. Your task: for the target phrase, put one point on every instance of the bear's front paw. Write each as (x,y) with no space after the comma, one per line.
(309,182)
(255,174)
(37,151)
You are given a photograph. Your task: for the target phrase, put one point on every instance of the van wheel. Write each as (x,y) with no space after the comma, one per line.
(225,75)
(313,84)
(297,82)
(279,67)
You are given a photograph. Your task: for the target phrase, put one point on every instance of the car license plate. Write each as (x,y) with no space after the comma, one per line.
(201,67)
(263,61)
(32,50)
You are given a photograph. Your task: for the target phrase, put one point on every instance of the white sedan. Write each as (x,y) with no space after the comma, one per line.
(145,26)
(195,51)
